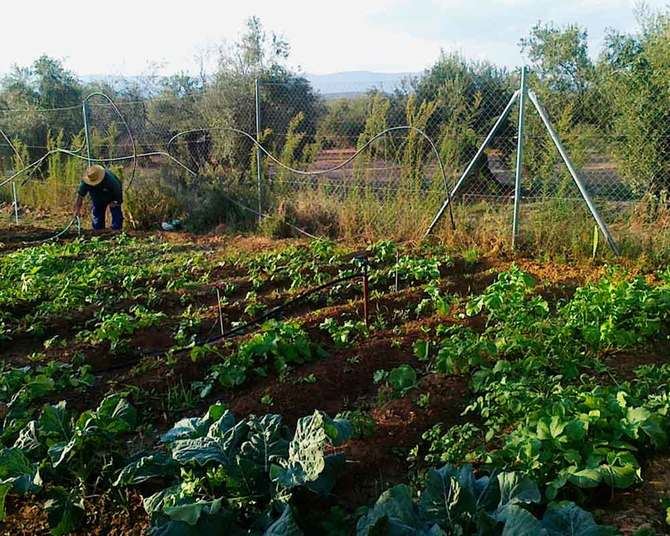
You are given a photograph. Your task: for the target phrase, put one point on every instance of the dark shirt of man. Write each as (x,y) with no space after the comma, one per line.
(108,190)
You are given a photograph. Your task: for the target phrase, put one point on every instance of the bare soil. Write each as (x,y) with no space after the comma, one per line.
(344,381)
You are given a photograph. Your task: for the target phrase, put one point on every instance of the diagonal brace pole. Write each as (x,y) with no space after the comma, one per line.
(473,162)
(571,168)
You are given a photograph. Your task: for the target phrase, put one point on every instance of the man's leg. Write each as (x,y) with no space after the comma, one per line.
(117,217)
(98,215)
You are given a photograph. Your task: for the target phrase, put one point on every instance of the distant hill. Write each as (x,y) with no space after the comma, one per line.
(354,82)
(332,85)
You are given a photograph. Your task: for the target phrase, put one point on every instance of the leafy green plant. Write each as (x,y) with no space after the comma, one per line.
(455,501)
(57,279)
(17,474)
(189,324)
(586,437)
(67,452)
(470,256)
(418,269)
(309,378)
(508,299)
(460,443)
(615,313)
(84,446)
(22,388)
(362,424)
(180,397)
(233,476)
(279,344)
(117,327)
(346,333)
(436,301)
(459,350)
(424,400)
(399,380)
(665,503)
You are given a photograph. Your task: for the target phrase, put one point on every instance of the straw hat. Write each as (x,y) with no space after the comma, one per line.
(94,175)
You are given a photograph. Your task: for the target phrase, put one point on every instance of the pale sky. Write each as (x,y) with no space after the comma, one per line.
(124,37)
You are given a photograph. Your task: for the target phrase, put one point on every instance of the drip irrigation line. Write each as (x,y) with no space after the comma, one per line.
(58,234)
(236,331)
(135,156)
(241,329)
(155,153)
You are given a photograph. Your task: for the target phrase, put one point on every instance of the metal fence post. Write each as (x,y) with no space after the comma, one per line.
(571,168)
(519,158)
(259,166)
(84,111)
(16,202)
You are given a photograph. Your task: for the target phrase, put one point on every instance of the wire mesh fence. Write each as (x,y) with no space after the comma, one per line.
(396,151)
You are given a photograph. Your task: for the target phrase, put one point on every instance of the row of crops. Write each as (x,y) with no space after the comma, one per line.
(134,370)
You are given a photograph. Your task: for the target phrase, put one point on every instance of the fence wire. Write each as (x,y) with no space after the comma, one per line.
(618,163)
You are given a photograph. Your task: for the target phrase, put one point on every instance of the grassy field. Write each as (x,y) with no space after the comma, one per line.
(215,384)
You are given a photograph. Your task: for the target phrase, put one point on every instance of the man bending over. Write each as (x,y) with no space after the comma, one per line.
(105,190)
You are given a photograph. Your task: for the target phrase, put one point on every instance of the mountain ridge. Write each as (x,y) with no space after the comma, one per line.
(337,83)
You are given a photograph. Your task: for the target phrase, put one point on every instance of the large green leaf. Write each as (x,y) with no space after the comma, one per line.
(27,439)
(334,466)
(186,428)
(157,465)
(190,513)
(197,519)
(305,460)
(520,522)
(17,474)
(5,488)
(115,415)
(620,477)
(65,510)
(61,452)
(338,430)
(14,463)
(264,441)
(201,451)
(515,490)
(584,478)
(449,496)
(222,424)
(567,519)
(54,422)
(394,514)
(154,504)
(286,525)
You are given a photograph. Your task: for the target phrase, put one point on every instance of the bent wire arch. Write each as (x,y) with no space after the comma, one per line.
(167,154)
(338,166)
(123,120)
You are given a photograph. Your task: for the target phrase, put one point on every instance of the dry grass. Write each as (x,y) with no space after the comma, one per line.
(554,229)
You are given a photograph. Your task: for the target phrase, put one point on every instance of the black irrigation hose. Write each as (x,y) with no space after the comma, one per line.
(239,330)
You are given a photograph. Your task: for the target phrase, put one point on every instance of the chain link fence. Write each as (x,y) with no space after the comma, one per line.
(390,153)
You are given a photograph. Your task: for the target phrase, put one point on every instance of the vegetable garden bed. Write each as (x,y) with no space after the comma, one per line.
(484,396)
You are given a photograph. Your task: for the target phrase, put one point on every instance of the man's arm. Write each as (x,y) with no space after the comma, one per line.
(81,193)
(76,211)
